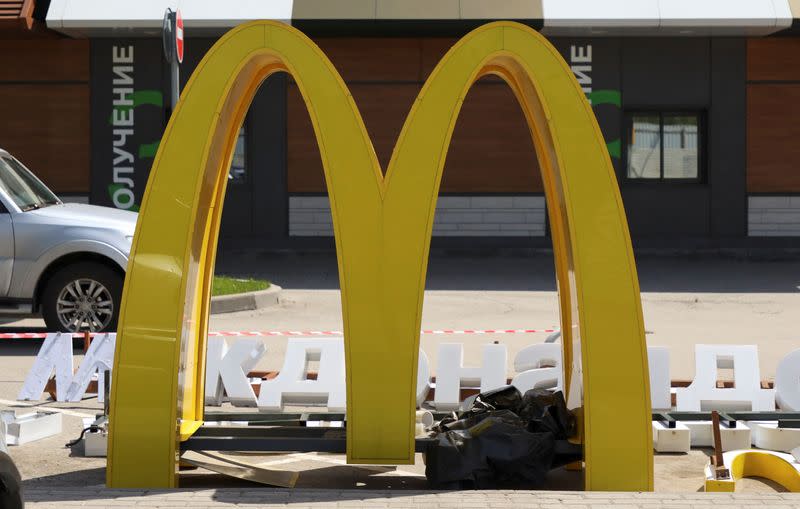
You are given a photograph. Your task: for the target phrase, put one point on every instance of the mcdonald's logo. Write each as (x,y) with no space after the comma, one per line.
(382,227)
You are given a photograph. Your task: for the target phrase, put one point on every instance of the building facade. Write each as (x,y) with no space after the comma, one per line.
(698,105)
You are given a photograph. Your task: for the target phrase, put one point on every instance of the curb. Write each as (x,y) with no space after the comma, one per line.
(247,301)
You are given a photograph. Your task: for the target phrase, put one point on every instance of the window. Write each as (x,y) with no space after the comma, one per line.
(238,171)
(22,187)
(664,146)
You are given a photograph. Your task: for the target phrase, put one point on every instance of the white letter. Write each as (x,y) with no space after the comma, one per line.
(451,373)
(292,386)
(122,116)
(787,382)
(121,136)
(423,378)
(123,79)
(581,54)
(703,392)
(122,55)
(118,193)
(56,352)
(122,98)
(530,363)
(99,359)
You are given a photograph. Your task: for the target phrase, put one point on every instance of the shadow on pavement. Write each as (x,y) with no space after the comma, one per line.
(700,274)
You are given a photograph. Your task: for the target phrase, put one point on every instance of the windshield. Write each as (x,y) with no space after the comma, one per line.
(20,185)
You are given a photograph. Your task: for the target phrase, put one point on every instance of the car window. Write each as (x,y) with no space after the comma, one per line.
(23,187)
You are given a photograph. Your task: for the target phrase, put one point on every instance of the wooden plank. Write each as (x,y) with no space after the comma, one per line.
(44,60)
(374,59)
(383,107)
(490,152)
(47,128)
(773,58)
(772,138)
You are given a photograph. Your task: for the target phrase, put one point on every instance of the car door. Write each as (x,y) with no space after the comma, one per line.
(6,249)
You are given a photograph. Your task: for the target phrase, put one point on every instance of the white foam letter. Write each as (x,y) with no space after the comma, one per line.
(292,386)
(703,392)
(787,382)
(451,373)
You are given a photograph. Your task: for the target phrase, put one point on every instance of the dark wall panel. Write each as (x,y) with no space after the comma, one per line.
(666,72)
(658,212)
(115,166)
(726,131)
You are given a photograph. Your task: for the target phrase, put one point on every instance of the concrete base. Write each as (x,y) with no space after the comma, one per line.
(732,438)
(767,435)
(95,444)
(22,428)
(245,301)
(677,439)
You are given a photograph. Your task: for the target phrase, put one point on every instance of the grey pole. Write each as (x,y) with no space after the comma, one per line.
(170,53)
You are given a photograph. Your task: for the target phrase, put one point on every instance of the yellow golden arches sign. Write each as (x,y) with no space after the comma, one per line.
(382,227)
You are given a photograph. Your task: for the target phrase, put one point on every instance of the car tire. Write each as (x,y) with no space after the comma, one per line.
(82,291)
(10,483)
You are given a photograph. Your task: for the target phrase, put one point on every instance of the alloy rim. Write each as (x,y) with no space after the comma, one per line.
(84,305)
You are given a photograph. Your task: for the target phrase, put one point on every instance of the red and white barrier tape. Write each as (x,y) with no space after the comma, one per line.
(41,335)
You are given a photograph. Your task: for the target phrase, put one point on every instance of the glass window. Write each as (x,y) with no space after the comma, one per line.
(680,147)
(238,172)
(644,148)
(663,146)
(23,187)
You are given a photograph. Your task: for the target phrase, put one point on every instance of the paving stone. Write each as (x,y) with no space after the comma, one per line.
(344,499)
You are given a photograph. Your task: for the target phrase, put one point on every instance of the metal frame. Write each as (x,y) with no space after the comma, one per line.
(785,419)
(263,432)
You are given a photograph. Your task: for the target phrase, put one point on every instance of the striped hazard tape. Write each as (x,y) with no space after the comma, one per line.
(339,333)
(306,333)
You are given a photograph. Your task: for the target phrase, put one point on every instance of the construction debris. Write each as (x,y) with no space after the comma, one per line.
(23,427)
(504,439)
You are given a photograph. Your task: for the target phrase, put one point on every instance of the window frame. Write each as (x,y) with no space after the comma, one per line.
(663,113)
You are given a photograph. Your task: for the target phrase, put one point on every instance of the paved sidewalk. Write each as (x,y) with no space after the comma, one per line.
(199,499)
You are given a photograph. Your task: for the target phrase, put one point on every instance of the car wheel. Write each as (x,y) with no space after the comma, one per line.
(10,481)
(82,297)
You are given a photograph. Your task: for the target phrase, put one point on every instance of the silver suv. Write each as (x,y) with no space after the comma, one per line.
(64,261)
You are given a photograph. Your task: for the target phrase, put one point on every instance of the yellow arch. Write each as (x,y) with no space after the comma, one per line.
(382,229)
(764,464)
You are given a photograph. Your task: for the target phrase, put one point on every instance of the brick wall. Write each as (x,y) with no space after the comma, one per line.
(456,216)
(773,216)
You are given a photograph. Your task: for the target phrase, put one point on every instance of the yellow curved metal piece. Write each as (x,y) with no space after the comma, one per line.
(382,228)
(764,464)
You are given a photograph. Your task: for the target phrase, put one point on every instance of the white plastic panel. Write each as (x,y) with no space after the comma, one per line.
(666,17)
(561,17)
(718,13)
(86,17)
(608,13)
